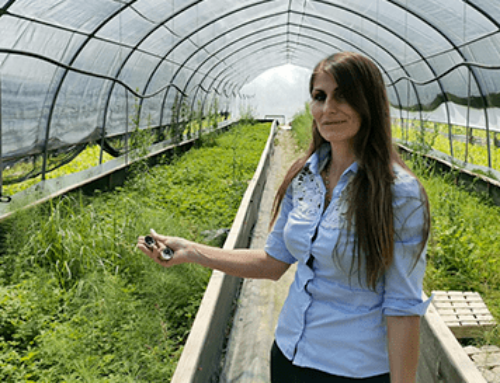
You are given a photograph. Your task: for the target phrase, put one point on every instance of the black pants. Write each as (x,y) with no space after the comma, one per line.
(283,371)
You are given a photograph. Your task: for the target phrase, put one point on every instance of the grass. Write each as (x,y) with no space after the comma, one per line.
(301,128)
(78,302)
(464,248)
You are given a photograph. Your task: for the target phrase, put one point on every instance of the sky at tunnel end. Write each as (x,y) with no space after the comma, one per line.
(278,91)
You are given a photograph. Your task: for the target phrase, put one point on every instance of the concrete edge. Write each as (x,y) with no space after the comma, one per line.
(200,358)
(442,358)
(475,181)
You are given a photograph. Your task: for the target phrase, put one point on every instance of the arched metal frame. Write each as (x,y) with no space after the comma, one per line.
(459,51)
(63,77)
(130,54)
(186,38)
(231,76)
(414,48)
(214,20)
(273,15)
(324,19)
(257,71)
(455,48)
(306,46)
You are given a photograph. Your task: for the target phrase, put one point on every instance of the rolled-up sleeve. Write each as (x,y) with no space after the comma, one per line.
(275,244)
(404,278)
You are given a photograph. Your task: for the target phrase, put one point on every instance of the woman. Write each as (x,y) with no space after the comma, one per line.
(356,221)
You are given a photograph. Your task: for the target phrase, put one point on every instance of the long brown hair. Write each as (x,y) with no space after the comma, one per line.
(370,199)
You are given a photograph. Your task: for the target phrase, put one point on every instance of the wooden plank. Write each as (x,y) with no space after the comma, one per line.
(426,372)
(465,313)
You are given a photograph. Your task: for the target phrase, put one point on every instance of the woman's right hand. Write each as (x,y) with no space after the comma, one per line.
(243,263)
(184,251)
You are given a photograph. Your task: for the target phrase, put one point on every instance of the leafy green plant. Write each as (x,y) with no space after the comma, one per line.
(199,119)
(247,115)
(213,114)
(464,251)
(139,142)
(175,128)
(79,303)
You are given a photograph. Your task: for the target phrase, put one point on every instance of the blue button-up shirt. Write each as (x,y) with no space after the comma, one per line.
(331,321)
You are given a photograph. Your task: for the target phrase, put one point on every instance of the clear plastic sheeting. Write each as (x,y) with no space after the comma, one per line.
(74,72)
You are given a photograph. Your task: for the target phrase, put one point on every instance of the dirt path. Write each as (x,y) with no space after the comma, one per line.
(260,301)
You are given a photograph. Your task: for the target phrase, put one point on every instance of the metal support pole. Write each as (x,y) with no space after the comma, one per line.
(488,144)
(2,197)
(1,154)
(450,135)
(102,145)
(407,130)
(126,127)
(468,130)
(45,151)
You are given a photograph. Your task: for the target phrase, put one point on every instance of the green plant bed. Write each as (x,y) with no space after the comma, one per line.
(464,248)
(86,159)
(78,302)
(424,140)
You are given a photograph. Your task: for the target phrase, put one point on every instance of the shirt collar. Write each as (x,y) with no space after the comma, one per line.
(320,157)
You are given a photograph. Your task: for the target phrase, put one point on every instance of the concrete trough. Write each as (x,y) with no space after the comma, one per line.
(442,358)
(200,359)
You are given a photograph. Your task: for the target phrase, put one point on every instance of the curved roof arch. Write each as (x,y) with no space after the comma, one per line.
(305,36)
(307,46)
(454,44)
(260,70)
(416,50)
(199,46)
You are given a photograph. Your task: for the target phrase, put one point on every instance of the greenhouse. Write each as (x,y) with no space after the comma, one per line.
(117,116)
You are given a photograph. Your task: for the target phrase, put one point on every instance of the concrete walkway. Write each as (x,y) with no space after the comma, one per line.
(260,301)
